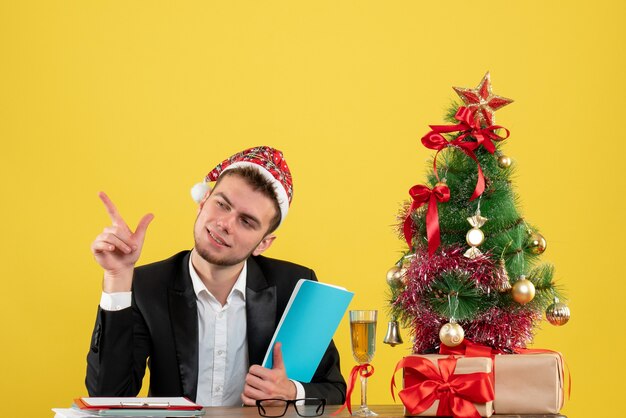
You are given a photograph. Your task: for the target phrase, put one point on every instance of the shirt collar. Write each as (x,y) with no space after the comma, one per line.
(239,287)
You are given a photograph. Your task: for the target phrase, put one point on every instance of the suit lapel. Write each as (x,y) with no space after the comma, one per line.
(260,312)
(184,316)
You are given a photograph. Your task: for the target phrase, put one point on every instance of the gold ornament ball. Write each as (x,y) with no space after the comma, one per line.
(504,161)
(537,243)
(395,275)
(558,314)
(523,291)
(451,334)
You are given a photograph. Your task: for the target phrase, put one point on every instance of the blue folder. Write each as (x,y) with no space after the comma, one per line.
(307,326)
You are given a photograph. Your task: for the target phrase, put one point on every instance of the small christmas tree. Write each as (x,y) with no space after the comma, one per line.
(472,266)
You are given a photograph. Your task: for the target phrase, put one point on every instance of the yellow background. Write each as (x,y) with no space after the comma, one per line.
(141,99)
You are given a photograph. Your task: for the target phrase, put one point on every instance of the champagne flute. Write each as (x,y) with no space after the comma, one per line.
(363,335)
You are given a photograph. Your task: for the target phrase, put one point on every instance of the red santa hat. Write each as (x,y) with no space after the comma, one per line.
(268,161)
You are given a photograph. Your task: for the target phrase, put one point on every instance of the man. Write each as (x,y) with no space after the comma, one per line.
(203,319)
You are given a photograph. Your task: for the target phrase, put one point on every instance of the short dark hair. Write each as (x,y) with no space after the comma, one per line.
(259,183)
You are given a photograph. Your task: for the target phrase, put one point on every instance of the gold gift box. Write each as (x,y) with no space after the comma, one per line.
(528,383)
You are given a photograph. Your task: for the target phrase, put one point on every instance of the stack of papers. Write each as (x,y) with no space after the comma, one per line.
(131,407)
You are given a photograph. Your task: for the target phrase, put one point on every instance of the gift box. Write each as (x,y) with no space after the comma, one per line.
(528,383)
(440,385)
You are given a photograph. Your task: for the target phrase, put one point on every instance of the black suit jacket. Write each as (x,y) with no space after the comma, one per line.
(161,326)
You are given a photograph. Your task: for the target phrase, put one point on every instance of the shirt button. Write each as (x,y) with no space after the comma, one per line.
(220,352)
(218,389)
(220,315)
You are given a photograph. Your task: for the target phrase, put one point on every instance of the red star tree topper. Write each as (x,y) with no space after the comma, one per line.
(483,101)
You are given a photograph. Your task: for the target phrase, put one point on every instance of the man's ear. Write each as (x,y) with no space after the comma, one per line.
(264,244)
(203,201)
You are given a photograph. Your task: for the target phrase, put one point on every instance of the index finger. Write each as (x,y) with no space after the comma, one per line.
(115,216)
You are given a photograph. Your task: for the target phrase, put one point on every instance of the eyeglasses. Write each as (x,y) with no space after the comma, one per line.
(313,407)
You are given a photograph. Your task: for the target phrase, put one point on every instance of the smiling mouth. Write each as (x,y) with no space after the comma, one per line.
(217,239)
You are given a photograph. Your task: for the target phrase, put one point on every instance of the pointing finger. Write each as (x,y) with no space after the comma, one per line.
(115,216)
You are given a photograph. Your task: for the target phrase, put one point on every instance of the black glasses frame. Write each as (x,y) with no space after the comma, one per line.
(318,412)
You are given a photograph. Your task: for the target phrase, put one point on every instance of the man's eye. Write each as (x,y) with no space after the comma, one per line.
(247,224)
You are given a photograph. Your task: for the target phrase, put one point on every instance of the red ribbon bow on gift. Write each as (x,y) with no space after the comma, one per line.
(365,370)
(421,195)
(456,393)
(470,126)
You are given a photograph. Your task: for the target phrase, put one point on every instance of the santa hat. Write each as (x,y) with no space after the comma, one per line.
(268,161)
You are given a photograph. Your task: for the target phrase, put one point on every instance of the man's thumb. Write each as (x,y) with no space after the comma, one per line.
(278,357)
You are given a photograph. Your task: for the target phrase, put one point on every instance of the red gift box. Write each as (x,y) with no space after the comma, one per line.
(439,385)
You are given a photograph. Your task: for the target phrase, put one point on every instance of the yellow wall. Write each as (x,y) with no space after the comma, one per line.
(140,99)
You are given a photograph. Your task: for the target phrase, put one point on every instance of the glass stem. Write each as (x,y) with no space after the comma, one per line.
(363,392)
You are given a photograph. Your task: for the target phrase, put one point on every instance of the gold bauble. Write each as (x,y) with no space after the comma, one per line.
(523,290)
(536,243)
(558,313)
(504,161)
(451,334)
(474,237)
(395,276)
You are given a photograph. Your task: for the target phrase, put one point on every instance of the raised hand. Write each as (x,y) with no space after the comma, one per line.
(262,383)
(117,248)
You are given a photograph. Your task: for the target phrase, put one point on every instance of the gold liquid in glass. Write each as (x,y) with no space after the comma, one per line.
(363,336)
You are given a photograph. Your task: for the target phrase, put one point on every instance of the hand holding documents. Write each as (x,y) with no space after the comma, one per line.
(307,326)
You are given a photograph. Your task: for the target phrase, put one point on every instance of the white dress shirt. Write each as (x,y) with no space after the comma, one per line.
(222,343)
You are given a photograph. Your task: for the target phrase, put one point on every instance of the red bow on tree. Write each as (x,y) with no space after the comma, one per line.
(470,127)
(421,195)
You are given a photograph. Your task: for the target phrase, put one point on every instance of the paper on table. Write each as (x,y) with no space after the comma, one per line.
(72,413)
(104,402)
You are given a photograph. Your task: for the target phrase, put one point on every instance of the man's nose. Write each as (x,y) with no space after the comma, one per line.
(225,222)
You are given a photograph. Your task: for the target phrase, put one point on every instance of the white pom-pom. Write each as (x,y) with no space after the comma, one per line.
(198,191)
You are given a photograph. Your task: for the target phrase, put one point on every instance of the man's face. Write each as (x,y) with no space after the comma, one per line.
(233,223)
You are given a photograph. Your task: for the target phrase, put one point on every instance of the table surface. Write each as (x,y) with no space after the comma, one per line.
(383,411)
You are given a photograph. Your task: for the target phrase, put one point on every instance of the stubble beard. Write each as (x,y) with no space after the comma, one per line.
(218,261)
(223,262)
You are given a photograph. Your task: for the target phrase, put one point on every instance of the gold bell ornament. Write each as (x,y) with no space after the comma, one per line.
(393,337)
(558,313)
(504,285)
